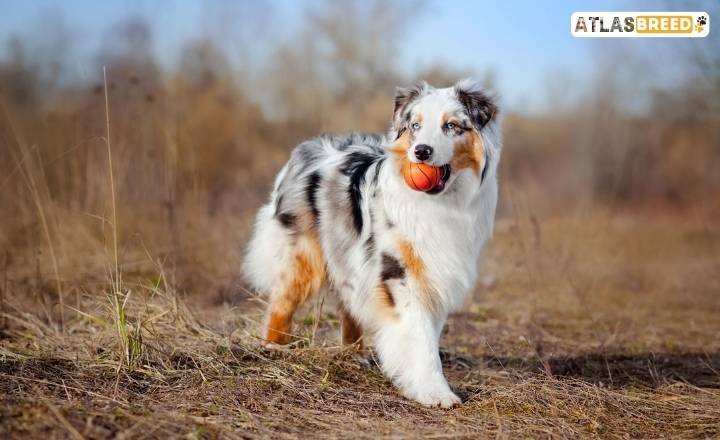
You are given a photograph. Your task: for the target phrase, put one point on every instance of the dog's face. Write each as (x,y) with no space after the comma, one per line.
(441,127)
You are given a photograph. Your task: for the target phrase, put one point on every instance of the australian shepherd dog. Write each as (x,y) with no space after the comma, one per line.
(341,217)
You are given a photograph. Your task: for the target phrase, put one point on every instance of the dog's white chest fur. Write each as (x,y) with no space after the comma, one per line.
(448,235)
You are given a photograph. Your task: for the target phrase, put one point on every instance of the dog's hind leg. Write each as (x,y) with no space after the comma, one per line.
(284,261)
(304,276)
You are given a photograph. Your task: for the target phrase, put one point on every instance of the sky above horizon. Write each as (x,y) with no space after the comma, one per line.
(528,47)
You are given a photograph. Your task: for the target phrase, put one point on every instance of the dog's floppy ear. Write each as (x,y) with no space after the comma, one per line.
(404,96)
(479,105)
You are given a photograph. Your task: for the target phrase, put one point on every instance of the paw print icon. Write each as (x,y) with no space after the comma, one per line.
(700,23)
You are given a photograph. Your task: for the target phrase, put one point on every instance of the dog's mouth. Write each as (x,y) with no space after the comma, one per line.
(437,189)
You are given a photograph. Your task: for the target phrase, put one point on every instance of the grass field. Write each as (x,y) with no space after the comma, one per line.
(588,325)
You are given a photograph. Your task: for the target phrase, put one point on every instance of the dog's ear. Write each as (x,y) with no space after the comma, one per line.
(479,105)
(404,96)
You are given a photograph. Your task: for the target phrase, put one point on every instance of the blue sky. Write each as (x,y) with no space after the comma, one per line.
(526,45)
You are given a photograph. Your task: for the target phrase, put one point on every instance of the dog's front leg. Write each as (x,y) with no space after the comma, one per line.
(408,347)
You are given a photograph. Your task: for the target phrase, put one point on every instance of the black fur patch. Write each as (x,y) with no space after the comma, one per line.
(278,204)
(391,268)
(370,245)
(403,98)
(479,106)
(287,219)
(380,163)
(311,192)
(356,168)
(485,168)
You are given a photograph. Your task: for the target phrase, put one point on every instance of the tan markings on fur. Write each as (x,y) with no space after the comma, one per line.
(278,331)
(385,301)
(306,222)
(307,276)
(469,153)
(413,262)
(448,118)
(386,296)
(402,143)
(416,268)
(351,331)
(399,151)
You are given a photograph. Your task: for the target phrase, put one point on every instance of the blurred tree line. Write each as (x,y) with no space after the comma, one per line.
(196,144)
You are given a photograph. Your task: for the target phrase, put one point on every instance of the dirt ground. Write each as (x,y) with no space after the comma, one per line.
(582,326)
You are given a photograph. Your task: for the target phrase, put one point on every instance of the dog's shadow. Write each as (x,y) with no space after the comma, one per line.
(611,370)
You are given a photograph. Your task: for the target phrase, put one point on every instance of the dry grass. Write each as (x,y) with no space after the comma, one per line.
(125,205)
(603,328)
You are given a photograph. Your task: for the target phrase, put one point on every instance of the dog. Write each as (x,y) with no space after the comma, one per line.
(342,218)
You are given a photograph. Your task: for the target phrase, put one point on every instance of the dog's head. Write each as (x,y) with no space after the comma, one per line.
(443,128)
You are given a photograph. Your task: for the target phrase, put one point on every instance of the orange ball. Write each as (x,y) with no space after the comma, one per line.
(421,177)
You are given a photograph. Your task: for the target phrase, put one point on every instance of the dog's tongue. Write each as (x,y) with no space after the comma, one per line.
(439,187)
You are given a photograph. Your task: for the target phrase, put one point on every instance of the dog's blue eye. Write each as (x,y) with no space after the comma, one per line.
(416,126)
(450,126)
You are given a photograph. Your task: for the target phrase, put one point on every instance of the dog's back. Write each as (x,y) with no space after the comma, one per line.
(285,257)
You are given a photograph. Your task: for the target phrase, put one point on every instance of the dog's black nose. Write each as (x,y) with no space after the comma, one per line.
(423,152)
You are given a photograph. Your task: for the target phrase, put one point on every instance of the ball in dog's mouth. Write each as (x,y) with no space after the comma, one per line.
(426,178)
(440,186)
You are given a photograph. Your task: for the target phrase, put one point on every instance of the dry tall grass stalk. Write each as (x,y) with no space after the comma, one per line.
(116,278)
(40,202)
(129,338)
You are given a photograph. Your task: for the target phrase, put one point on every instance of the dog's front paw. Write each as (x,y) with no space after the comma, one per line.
(274,346)
(444,398)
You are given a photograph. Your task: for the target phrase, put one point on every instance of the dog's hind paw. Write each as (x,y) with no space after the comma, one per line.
(274,346)
(364,360)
